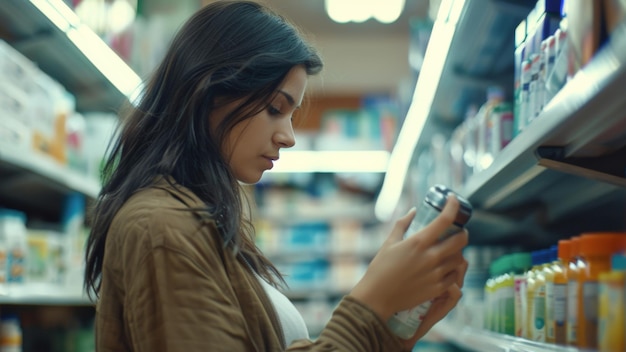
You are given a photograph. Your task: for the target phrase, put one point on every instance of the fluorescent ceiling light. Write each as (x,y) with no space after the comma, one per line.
(343,11)
(425,89)
(92,46)
(293,161)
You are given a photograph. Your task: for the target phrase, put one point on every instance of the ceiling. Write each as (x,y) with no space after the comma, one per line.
(312,18)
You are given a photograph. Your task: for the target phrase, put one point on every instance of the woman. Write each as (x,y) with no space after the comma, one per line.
(171,255)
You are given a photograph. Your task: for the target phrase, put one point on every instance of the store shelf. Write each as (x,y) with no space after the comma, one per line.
(478,340)
(28,30)
(586,120)
(42,294)
(315,253)
(36,182)
(304,212)
(567,164)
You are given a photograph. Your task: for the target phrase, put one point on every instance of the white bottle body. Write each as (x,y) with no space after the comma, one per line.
(405,323)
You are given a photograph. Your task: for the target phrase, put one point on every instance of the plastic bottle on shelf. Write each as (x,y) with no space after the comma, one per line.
(495,96)
(549,273)
(611,306)
(10,333)
(522,264)
(531,288)
(521,121)
(576,264)
(469,142)
(538,316)
(507,296)
(597,250)
(501,127)
(559,302)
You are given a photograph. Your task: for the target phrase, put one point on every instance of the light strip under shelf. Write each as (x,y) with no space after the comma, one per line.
(425,89)
(294,161)
(92,46)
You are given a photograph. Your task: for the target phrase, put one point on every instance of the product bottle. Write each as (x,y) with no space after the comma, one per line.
(489,288)
(495,95)
(539,299)
(522,265)
(10,334)
(405,323)
(611,306)
(597,250)
(572,293)
(548,272)
(559,304)
(529,301)
(507,296)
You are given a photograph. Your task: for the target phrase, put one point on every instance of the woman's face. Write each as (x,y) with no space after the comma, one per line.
(253,145)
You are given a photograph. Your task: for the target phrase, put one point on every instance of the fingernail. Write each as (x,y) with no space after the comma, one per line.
(412,209)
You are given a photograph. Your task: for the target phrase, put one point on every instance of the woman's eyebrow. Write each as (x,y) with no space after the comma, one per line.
(289,98)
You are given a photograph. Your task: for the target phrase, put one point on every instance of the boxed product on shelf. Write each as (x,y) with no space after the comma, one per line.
(46,260)
(35,99)
(13,247)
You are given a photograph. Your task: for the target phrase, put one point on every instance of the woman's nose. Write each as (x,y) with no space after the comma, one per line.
(285,136)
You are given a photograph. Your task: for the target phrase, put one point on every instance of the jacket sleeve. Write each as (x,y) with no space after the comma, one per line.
(353,327)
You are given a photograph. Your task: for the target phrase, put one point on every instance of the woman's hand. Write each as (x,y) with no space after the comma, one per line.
(406,273)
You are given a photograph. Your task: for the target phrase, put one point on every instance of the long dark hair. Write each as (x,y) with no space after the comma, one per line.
(227,51)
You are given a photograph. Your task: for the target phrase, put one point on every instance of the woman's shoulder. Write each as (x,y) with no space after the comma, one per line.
(164,215)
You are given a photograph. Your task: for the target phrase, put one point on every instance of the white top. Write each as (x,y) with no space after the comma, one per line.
(290,319)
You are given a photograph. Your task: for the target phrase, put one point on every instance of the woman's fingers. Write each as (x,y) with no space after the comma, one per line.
(451,245)
(431,233)
(400,227)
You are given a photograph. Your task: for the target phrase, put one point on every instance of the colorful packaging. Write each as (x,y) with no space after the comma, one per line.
(549,274)
(596,249)
(575,265)
(611,311)
(559,304)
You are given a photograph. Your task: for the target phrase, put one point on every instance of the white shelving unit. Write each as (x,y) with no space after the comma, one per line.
(43,294)
(564,174)
(484,341)
(48,170)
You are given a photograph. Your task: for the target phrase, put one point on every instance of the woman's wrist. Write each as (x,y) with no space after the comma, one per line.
(364,296)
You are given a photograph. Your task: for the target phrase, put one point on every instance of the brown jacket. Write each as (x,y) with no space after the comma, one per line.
(168,284)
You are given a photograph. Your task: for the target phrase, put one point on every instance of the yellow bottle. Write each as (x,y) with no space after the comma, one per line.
(548,272)
(597,250)
(559,304)
(529,298)
(572,293)
(507,297)
(611,311)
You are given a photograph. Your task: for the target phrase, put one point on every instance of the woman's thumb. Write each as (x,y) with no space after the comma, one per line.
(401,226)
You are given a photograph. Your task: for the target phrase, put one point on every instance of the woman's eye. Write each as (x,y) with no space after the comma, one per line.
(273,111)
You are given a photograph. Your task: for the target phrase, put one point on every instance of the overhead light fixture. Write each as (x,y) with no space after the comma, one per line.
(92,46)
(357,161)
(344,11)
(425,89)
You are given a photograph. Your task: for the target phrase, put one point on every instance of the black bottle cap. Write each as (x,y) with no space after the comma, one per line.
(437,196)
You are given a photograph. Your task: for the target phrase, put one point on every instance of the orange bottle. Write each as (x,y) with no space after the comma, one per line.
(596,249)
(572,293)
(561,268)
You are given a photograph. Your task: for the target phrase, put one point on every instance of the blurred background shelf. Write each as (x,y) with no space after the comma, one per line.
(35,181)
(37,37)
(35,294)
